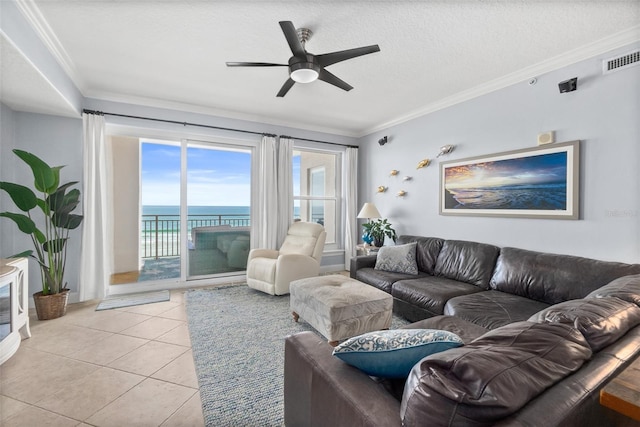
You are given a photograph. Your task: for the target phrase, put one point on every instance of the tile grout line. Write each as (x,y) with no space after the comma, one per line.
(182,322)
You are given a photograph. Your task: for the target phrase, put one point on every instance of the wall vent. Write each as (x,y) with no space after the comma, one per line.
(621,62)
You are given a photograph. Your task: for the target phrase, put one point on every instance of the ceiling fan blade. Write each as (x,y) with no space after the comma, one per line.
(285,87)
(292,38)
(331,58)
(255,64)
(326,76)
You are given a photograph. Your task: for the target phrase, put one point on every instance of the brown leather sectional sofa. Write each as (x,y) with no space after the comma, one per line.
(543,334)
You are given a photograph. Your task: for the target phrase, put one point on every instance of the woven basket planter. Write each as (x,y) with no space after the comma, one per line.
(51,306)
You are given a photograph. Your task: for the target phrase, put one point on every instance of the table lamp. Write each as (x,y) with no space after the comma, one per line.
(368,211)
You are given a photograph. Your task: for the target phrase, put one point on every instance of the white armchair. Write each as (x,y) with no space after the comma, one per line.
(272,271)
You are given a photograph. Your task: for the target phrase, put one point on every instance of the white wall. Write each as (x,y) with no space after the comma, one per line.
(57,141)
(126,203)
(7,158)
(603,113)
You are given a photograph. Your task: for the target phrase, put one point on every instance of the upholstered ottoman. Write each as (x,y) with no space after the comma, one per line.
(340,307)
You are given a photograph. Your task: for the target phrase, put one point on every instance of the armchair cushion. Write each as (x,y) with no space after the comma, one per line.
(302,239)
(263,269)
(302,245)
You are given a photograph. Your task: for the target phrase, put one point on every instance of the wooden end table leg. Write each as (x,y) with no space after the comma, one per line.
(333,343)
(296,316)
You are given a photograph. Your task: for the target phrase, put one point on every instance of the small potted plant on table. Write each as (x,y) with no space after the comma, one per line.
(378,229)
(56,202)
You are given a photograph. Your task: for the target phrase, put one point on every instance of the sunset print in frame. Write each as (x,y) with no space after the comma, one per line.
(540,182)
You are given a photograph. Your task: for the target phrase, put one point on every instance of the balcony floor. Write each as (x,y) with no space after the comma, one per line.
(164,268)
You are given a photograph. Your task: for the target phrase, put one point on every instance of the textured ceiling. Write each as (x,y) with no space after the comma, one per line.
(173,53)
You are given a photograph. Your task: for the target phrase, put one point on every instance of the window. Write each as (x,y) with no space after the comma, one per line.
(316,191)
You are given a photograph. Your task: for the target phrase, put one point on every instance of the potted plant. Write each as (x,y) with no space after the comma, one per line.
(56,202)
(378,229)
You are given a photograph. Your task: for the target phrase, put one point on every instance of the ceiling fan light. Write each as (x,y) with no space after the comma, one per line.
(304,75)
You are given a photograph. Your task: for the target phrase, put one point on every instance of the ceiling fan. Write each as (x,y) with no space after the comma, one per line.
(305,67)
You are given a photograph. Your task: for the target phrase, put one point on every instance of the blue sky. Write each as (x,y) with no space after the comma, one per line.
(215,177)
(539,169)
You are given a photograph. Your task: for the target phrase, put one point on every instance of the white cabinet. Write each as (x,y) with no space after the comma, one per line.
(14,305)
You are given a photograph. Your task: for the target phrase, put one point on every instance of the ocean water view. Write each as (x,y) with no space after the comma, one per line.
(160,225)
(548,196)
(196,210)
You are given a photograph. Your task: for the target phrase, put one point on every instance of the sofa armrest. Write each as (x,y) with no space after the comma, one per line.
(263,253)
(363,261)
(322,390)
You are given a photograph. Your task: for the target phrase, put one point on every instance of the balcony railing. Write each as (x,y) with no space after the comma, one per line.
(160,234)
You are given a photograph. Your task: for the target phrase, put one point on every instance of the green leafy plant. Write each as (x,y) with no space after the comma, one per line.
(378,229)
(56,202)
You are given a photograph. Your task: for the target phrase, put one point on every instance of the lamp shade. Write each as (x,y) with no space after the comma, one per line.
(369,210)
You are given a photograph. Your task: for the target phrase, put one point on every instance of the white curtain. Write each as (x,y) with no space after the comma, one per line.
(351,233)
(285,188)
(266,231)
(95,262)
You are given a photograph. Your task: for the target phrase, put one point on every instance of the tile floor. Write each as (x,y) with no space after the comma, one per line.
(124,367)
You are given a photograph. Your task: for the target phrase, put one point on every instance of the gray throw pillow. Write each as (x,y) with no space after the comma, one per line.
(398,259)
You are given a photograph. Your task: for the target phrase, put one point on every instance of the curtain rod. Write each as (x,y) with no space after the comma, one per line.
(102,113)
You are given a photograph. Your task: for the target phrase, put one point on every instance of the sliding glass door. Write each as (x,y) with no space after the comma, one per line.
(181,209)
(218,208)
(160,243)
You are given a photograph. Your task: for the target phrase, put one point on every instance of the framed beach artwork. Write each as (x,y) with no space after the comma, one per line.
(540,182)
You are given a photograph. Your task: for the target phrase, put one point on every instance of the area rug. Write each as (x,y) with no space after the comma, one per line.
(237,339)
(128,300)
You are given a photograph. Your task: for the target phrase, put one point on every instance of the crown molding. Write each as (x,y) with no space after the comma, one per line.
(34,17)
(216,112)
(615,41)
(73,111)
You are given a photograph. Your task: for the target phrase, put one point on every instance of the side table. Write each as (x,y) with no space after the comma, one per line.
(622,394)
(366,249)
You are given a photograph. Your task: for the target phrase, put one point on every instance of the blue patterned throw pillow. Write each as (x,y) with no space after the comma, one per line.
(398,259)
(392,354)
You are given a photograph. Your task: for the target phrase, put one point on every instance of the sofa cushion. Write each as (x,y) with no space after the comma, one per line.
(398,259)
(602,321)
(467,331)
(468,262)
(431,293)
(626,288)
(492,309)
(383,279)
(392,354)
(427,250)
(493,376)
(553,278)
